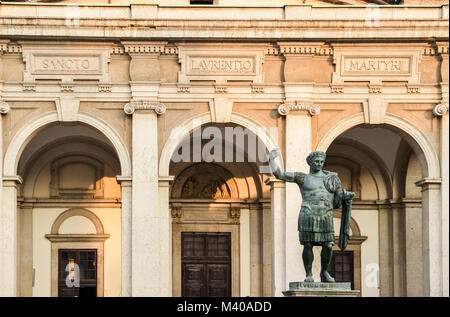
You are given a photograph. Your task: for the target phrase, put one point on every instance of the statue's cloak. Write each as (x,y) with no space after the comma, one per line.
(344,233)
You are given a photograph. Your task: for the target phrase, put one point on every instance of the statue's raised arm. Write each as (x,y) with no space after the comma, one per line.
(285,176)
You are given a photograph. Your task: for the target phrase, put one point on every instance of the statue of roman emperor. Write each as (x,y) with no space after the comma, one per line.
(321,193)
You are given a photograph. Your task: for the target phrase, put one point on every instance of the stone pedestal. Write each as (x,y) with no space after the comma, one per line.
(315,289)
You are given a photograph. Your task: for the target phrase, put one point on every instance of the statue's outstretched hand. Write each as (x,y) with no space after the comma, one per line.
(348,195)
(274,153)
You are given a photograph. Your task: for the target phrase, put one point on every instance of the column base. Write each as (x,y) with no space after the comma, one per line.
(319,289)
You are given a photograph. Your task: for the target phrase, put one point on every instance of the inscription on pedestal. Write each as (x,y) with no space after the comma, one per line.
(315,289)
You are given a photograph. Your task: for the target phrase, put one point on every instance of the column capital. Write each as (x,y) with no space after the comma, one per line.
(4,107)
(274,183)
(124,180)
(132,106)
(288,106)
(165,181)
(429,182)
(14,180)
(441,109)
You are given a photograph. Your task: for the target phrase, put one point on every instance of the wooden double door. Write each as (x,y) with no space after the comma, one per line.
(206,264)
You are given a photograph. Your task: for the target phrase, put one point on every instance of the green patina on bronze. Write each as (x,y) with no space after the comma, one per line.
(321,193)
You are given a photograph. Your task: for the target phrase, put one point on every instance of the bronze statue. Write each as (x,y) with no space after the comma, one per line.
(321,193)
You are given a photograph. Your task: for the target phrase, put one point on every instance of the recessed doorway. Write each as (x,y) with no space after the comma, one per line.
(77,273)
(206,264)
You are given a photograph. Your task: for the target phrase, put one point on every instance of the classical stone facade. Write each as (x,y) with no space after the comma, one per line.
(98,102)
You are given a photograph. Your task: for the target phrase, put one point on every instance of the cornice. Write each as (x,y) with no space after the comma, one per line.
(299,48)
(103,28)
(145,48)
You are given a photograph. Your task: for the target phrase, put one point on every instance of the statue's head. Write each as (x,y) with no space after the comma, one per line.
(316,159)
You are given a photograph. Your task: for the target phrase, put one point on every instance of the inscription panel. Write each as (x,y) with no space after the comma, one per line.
(220,64)
(65,63)
(199,65)
(375,64)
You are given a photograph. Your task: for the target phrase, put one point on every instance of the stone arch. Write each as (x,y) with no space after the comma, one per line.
(223,173)
(365,156)
(22,138)
(416,139)
(59,149)
(77,212)
(190,124)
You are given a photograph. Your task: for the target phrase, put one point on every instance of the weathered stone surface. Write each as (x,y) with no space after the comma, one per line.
(303,289)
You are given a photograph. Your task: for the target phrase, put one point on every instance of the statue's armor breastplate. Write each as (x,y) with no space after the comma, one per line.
(315,221)
(316,198)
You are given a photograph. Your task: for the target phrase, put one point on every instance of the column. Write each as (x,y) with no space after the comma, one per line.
(297,147)
(145,220)
(386,251)
(267,249)
(444,200)
(398,250)
(244,257)
(8,222)
(125,184)
(413,240)
(441,111)
(165,243)
(278,213)
(8,237)
(432,236)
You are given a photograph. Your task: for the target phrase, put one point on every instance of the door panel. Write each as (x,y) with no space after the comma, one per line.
(218,279)
(206,264)
(194,280)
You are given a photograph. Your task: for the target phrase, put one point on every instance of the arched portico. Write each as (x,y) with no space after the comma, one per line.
(432,225)
(246,200)
(9,226)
